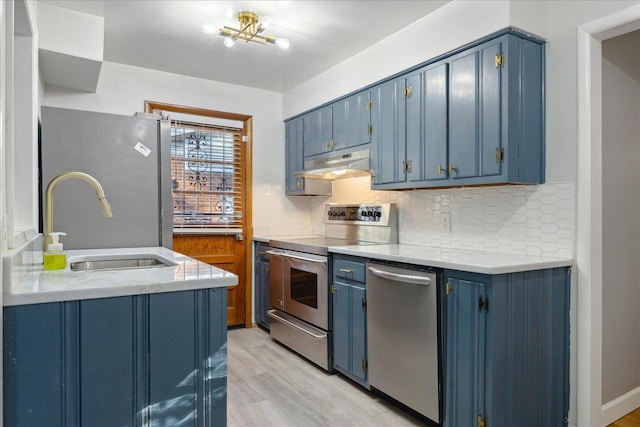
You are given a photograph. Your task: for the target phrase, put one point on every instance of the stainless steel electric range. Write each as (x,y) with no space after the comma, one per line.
(300,272)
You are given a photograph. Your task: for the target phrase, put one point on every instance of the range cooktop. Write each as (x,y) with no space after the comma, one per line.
(348,225)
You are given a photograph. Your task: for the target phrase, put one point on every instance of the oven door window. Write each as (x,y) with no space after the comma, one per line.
(304,287)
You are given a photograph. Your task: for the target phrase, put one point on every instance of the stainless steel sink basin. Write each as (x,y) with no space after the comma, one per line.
(118,262)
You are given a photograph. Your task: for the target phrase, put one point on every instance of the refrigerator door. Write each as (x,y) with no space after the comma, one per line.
(123,154)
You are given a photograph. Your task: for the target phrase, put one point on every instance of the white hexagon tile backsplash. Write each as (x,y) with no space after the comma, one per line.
(531,219)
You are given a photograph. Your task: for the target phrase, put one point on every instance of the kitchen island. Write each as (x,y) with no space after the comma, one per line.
(136,346)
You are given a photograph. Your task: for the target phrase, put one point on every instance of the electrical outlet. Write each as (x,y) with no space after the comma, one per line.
(445,221)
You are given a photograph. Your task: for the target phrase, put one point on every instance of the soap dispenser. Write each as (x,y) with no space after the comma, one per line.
(54,256)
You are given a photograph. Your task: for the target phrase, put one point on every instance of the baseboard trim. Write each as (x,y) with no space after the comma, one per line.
(621,406)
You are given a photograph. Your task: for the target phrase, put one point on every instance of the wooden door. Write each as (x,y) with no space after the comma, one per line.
(211,173)
(225,252)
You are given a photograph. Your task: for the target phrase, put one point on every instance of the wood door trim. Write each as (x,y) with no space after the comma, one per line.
(247,120)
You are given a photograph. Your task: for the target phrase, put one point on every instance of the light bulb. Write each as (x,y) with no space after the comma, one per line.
(282,43)
(229,42)
(266,23)
(209,29)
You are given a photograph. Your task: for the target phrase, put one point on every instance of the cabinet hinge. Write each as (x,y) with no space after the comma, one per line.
(500,60)
(483,422)
(364,304)
(365,365)
(369,129)
(369,104)
(448,289)
(499,155)
(483,304)
(407,92)
(333,289)
(406,166)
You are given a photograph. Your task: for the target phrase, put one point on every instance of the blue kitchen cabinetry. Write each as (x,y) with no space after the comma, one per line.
(294,162)
(350,318)
(506,348)
(340,125)
(475,117)
(496,113)
(318,131)
(410,129)
(158,359)
(261,284)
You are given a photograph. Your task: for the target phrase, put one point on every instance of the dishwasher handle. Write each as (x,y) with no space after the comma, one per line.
(405,278)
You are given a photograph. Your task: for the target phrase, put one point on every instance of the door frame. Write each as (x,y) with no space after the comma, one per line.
(247,121)
(588,326)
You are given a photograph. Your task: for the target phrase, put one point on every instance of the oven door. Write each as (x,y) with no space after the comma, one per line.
(306,287)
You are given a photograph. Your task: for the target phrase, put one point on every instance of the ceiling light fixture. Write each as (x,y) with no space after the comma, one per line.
(249,31)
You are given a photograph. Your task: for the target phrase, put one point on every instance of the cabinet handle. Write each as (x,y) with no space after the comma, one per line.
(451,168)
(440,169)
(346,270)
(299,184)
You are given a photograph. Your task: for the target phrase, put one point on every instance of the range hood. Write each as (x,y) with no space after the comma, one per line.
(347,165)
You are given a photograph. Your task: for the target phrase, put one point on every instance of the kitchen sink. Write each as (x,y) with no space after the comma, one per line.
(118,262)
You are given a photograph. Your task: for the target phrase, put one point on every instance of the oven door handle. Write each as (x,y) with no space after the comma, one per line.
(273,315)
(319,261)
(405,278)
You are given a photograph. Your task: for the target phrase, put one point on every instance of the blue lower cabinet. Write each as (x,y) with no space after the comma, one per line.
(146,360)
(506,349)
(350,319)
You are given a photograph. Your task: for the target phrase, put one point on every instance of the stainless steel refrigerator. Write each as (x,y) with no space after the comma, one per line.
(129,156)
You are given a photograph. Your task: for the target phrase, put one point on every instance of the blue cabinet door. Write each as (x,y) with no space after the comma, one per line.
(294,156)
(388,139)
(262,284)
(349,331)
(318,131)
(341,326)
(359,333)
(464,353)
(427,117)
(507,348)
(352,121)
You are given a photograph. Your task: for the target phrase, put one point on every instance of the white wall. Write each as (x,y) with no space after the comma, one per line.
(447,28)
(621,215)
(122,89)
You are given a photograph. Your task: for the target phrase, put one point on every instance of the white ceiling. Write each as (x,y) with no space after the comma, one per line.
(166,35)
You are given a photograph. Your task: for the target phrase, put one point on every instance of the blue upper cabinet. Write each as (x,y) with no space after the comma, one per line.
(318,131)
(427,131)
(338,126)
(352,121)
(473,118)
(388,139)
(496,127)
(293,152)
(410,129)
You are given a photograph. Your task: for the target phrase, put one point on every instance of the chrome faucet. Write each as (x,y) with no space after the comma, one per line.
(48,222)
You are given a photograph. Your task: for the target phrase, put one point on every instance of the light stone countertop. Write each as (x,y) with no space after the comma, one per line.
(454,259)
(30,284)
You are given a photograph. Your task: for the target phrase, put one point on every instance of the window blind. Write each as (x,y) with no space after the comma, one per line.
(207,174)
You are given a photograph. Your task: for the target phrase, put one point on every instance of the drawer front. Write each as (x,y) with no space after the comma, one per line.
(350,270)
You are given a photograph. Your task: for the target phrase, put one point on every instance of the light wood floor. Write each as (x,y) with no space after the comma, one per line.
(269,385)
(631,420)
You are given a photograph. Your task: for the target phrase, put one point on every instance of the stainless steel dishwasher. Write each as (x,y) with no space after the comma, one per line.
(402,325)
